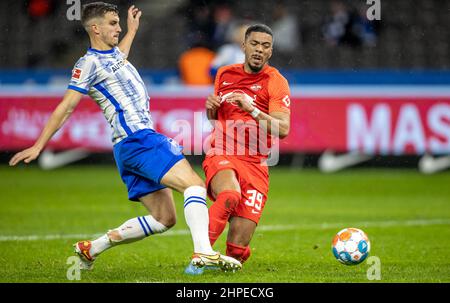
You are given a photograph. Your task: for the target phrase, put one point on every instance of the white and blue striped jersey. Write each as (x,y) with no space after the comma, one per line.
(116,86)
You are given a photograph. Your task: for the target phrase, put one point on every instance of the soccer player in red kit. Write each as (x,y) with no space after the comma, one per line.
(256,96)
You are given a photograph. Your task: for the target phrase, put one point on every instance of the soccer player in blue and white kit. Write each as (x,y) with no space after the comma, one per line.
(148,162)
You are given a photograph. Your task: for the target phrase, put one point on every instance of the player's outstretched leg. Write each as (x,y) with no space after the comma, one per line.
(132,230)
(159,203)
(219,213)
(182,178)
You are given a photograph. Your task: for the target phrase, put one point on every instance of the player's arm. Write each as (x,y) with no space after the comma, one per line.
(57,119)
(132,27)
(212,105)
(277,121)
(213,101)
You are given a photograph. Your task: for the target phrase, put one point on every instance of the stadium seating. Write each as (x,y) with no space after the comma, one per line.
(411,36)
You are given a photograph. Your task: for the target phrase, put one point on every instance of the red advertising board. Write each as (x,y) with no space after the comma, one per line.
(393,125)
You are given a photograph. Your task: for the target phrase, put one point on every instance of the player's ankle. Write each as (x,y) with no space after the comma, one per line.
(239,252)
(114,236)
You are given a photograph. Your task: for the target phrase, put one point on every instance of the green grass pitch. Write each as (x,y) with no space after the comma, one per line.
(405,214)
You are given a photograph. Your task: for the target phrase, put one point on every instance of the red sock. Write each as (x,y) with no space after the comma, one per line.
(240,253)
(220,211)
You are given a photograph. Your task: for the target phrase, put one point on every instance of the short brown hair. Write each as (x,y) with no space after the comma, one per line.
(96,9)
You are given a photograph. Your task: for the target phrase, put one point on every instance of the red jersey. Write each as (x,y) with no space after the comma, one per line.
(237,132)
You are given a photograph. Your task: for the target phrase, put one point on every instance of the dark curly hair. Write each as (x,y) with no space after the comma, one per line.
(259,28)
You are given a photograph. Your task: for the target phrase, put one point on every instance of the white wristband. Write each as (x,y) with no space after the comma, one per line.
(255,113)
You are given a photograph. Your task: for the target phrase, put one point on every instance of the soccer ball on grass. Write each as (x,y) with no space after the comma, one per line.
(350,246)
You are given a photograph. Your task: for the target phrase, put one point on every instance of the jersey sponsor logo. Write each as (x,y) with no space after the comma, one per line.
(117,66)
(225,83)
(255,87)
(287,101)
(224,162)
(76,73)
(227,95)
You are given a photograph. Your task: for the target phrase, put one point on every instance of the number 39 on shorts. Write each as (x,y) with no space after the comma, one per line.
(255,199)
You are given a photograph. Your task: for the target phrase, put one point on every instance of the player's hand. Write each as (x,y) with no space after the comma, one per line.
(26,155)
(241,101)
(212,102)
(133,18)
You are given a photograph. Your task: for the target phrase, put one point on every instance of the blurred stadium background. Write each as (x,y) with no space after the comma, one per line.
(370,94)
(378,88)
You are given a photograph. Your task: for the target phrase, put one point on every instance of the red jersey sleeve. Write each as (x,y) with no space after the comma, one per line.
(217,80)
(279,94)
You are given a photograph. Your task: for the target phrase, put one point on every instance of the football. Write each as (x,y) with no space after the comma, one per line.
(350,246)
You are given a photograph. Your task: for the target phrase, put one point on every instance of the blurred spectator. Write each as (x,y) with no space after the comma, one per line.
(200,23)
(342,28)
(38,9)
(224,24)
(194,65)
(286,30)
(231,52)
(366,29)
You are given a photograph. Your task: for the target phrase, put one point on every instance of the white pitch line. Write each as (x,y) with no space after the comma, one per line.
(382,224)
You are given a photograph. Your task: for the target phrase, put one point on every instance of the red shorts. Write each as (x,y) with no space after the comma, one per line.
(253,179)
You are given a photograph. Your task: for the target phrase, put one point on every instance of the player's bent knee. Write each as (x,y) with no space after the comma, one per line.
(241,253)
(181,184)
(167,220)
(230,198)
(195,180)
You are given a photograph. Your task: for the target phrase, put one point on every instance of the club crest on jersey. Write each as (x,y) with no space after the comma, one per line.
(76,73)
(255,87)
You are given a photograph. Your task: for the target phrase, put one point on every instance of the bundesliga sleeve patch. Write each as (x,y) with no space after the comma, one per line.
(76,74)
